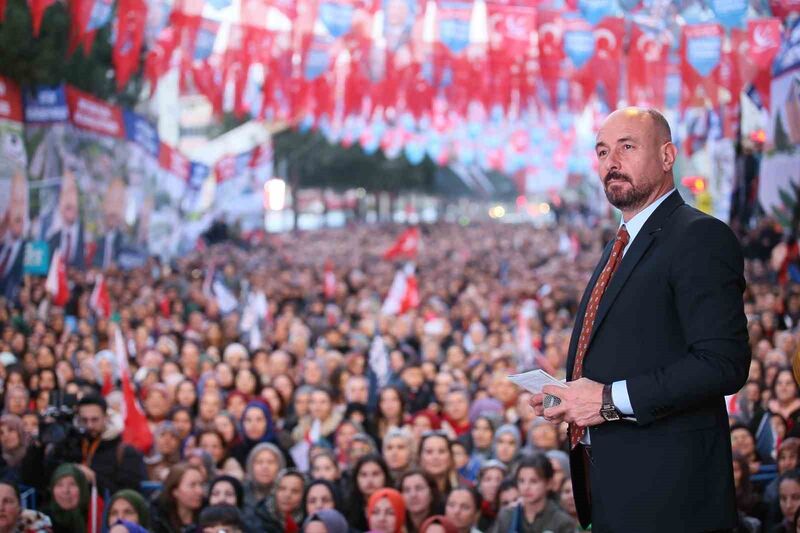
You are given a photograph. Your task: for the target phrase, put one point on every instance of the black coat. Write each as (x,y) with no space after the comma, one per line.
(118,466)
(672,324)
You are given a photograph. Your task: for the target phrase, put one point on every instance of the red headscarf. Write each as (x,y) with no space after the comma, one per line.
(397,502)
(442,521)
(433,418)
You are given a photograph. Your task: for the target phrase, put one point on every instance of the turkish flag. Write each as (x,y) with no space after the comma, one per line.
(406,245)
(607,59)
(137,432)
(37,8)
(411,296)
(784,8)
(131,19)
(701,57)
(100,301)
(403,295)
(56,283)
(647,67)
(551,50)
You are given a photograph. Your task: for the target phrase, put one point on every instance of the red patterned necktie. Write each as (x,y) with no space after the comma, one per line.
(576,432)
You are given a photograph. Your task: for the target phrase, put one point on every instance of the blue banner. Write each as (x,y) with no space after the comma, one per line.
(399,16)
(198,172)
(730,13)
(318,57)
(220,4)
(704,53)
(141,132)
(101,14)
(337,16)
(206,36)
(36,260)
(454,20)
(595,10)
(578,42)
(45,104)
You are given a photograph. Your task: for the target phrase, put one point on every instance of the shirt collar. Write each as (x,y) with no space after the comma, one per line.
(635,224)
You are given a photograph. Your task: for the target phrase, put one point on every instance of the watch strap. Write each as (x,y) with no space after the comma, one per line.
(608,398)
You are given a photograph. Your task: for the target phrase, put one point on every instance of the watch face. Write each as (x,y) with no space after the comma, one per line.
(609,414)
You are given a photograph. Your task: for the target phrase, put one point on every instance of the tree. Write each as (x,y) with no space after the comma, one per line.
(312,162)
(43,61)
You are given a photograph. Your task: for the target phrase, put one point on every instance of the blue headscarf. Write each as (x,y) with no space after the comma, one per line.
(269,432)
(130,526)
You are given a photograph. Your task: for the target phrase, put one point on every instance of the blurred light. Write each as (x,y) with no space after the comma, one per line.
(533,210)
(521,200)
(361,192)
(544,208)
(695,184)
(497,211)
(464,221)
(274,194)
(759,136)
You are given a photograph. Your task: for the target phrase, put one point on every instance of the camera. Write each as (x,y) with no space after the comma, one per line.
(57,420)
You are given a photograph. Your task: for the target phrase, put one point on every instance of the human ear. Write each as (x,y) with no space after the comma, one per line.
(668,155)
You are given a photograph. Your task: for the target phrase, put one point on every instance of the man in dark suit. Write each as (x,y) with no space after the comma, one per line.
(660,338)
(66,230)
(12,256)
(12,246)
(110,244)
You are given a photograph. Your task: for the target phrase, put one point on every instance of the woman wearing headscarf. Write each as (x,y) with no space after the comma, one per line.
(321,494)
(130,506)
(257,428)
(263,465)
(15,444)
(560,462)
(326,521)
(480,438)
(73,508)
(438,524)
(386,511)
(124,526)
(226,490)
(283,510)
(399,450)
(506,445)
(490,477)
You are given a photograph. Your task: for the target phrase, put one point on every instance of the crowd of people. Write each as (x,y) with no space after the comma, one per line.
(324,413)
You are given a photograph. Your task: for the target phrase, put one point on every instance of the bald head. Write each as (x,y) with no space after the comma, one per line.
(635,155)
(648,118)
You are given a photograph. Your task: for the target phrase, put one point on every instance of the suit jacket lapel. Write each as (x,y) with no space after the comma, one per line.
(634,254)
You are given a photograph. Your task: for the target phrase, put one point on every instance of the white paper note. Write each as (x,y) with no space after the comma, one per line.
(534,380)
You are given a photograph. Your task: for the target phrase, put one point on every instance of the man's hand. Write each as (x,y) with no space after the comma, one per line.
(580,404)
(537,402)
(88,473)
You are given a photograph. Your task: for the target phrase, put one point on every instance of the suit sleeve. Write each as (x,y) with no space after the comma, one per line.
(707,282)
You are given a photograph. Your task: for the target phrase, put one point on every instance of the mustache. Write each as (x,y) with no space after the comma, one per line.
(614,175)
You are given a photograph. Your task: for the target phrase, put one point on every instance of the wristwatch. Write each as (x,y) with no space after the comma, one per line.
(608,411)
